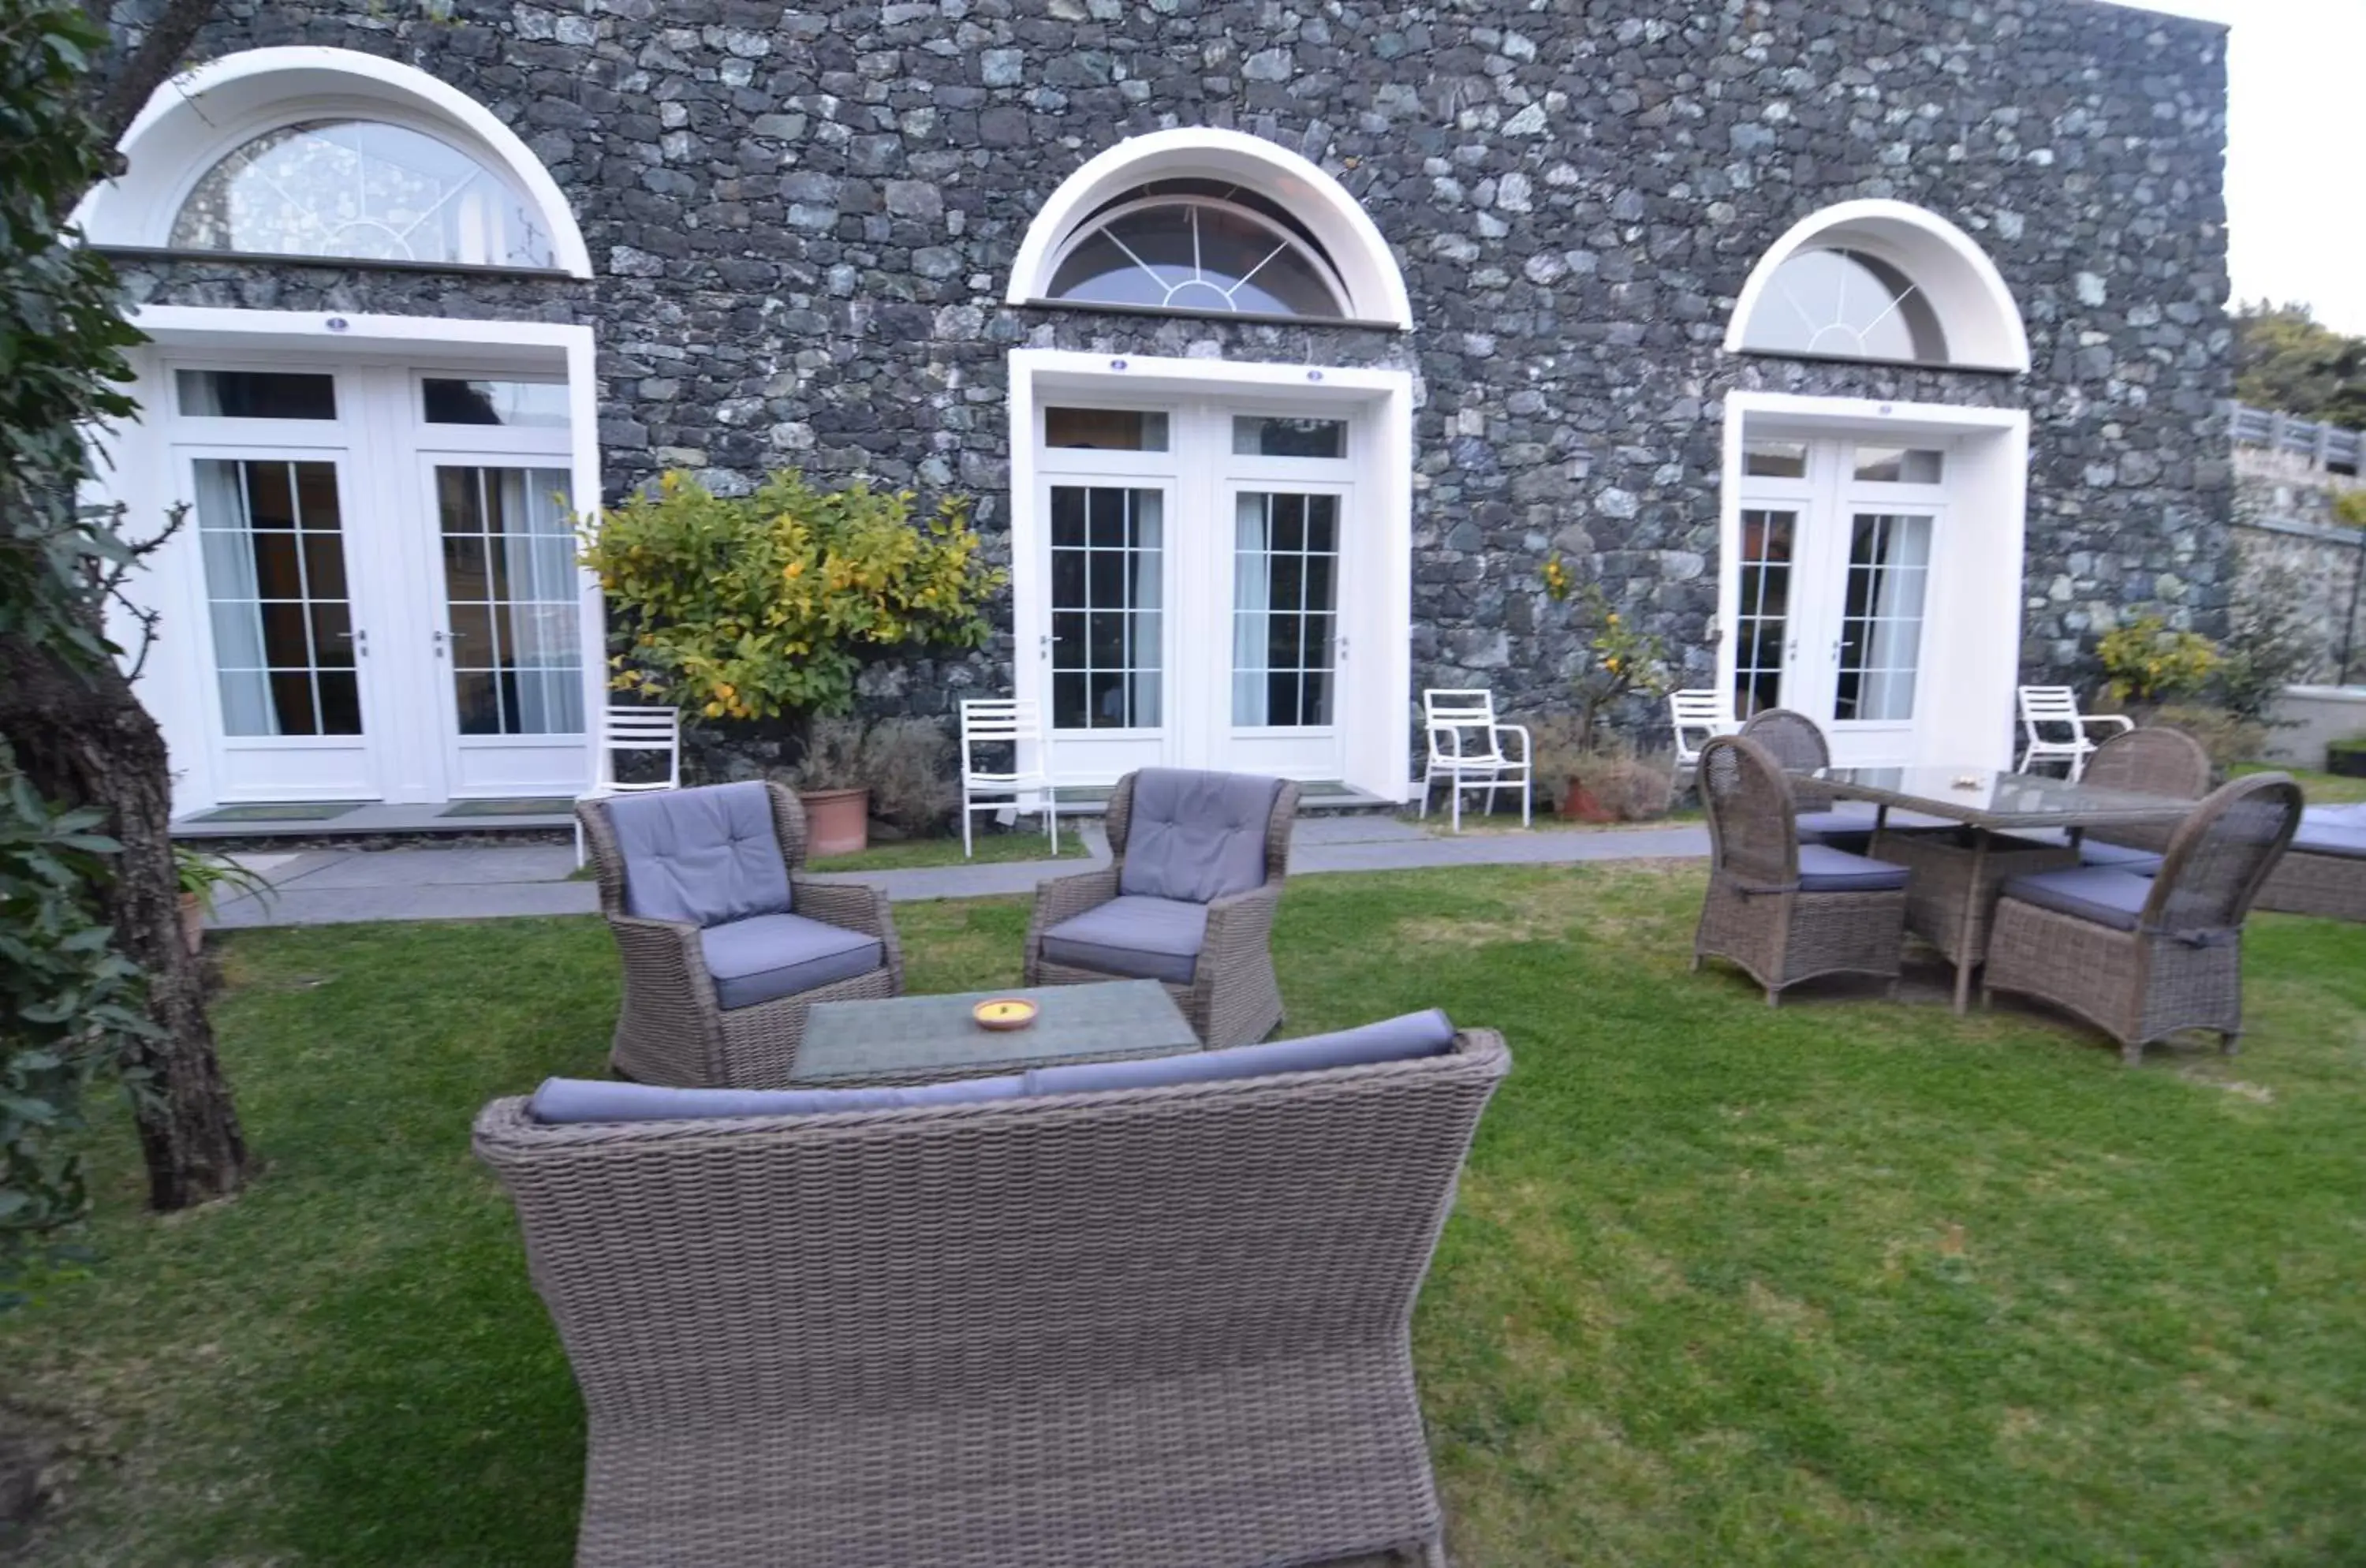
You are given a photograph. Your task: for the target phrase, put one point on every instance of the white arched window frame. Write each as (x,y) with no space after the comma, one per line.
(197,118)
(1975,311)
(1283,242)
(1372,286)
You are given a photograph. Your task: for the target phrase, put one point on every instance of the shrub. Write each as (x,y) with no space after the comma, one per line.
(1631,787)
(2228,737)
(766,605)
(2148,663)
(906,764)
(2271,641)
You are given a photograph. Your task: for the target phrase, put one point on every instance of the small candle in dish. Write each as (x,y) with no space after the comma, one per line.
(1004,1012)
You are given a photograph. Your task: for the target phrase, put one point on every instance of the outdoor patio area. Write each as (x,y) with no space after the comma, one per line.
(1851,1280)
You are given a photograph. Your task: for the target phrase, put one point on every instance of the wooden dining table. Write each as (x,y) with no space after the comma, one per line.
(1955,875)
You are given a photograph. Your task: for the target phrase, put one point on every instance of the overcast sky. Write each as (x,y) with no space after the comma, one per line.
(2295,158)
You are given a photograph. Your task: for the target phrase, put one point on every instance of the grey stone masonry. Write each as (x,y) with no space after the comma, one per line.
(803,222)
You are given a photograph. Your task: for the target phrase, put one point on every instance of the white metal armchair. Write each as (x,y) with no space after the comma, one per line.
(1466,750)
(2054,731)
(645,730)
(1697,715)
(996,724)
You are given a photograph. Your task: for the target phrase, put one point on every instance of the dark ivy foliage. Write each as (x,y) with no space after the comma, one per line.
(67,998)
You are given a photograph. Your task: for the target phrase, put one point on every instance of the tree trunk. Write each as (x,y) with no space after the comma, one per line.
(84,738)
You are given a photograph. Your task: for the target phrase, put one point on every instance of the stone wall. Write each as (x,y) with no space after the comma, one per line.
(803,222)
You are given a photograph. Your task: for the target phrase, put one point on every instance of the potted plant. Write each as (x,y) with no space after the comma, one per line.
(202,878)
(1605,781)
(760,611)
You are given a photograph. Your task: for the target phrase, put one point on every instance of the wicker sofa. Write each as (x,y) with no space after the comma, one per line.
(726,945)
(1152,1313)
(2323,871)
(1188,899)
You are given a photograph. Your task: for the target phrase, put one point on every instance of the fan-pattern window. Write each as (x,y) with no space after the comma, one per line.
(1844,304)
(363,189)
(1197,253)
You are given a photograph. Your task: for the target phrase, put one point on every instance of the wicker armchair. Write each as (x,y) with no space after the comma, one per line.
(2151,761)
(1188,899)
(2141,958)
(1783,909)
(726,946)
(1796,743)
(1160,1326)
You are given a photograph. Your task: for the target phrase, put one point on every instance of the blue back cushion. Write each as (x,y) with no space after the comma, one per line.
(1392,1039)
(1196,836)
(594,1099)
(700,856)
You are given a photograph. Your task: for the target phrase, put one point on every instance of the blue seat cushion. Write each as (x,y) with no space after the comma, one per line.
(2109,897)
(700,856)
(768,956)
(1824,869)
(1817,826)
(590,1099)
(1151,939)
(1392,1040)
(2333,830)
(2120,857)
(1196,836)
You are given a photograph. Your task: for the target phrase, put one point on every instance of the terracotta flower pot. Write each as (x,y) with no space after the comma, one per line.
(837,822)
(193,920)
(1581,804)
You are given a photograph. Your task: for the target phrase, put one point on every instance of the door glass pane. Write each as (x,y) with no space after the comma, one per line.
(1285,571)
(284,642)
(255,394)
(1900,465)
(511,600)
(1759,630)
(1105,430)
(1108,584)
(1255,435)
(519,404)
(1881,631)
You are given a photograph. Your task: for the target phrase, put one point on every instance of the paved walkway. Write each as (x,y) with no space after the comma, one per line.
(318,887)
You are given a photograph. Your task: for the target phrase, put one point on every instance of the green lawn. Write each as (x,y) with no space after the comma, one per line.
(2322,789)
(987,847)
(1848,1282)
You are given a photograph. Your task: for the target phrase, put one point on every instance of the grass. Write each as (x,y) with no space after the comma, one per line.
(2322,788)
(1849,1281)
(990,848)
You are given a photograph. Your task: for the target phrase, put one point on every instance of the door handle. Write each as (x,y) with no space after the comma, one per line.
(359,638)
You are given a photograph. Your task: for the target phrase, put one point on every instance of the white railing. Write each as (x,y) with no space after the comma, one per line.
(2325,446)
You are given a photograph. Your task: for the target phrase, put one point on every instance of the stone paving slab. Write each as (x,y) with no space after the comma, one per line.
(333,887)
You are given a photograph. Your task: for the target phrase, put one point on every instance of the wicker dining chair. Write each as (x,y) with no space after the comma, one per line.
(2141,958)
(1784,910)
(1798,747)
(1188,899)
(726,945)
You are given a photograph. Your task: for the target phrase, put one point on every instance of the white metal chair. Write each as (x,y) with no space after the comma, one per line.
(1697,713)
(1017,723)
(650,729)
(1466,749)
(2057,708)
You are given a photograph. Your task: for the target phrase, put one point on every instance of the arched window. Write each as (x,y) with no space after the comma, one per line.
(298,149)
(1209,222)
(1880,281)
(1194,245)
(360,188)
(1847,305)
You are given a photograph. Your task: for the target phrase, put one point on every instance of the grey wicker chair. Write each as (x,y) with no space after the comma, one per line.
(2151,761)
(1163,1327)
(2141,958)
(726,945)
(1796,742)
(1784,910)
(1189,899)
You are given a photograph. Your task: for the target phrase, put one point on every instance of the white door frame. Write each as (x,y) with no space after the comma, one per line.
(1376,749)
(1971,637)
(135,474)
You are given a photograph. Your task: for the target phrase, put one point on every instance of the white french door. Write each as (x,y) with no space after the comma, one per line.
(1195,559)
(1833,567)
(390,603)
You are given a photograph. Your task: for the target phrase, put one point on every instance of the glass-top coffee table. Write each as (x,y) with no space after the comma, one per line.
(919,1039)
